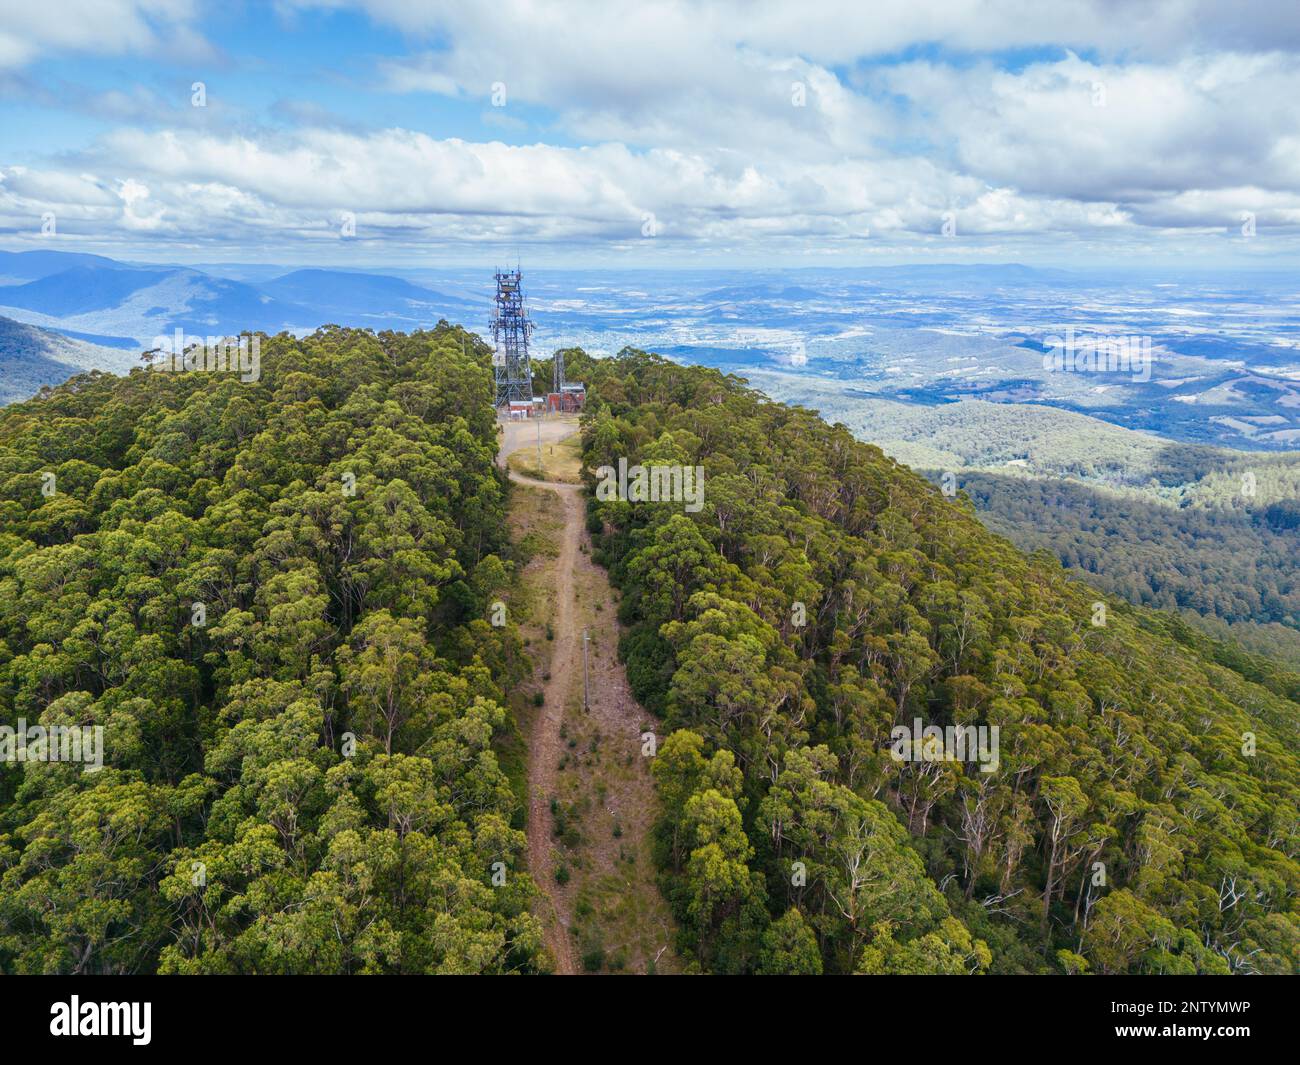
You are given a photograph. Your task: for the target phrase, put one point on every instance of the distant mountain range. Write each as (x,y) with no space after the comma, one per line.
(65,312)
(30,265)
(121,305)
(366,297)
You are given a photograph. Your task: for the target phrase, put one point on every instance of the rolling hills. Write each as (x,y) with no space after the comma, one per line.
(32,358)
(1184,527)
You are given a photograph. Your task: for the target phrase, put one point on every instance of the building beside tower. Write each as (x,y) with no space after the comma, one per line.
(512,366)
(565,397)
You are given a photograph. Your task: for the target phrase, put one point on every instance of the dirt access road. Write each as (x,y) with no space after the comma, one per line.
(591,800)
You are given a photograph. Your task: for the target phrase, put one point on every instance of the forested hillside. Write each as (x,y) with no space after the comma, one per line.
(31,358)
(1143,814)
(1205,530)
(1235,563)
(271,597)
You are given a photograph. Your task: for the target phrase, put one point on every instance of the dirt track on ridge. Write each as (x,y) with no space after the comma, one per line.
(626,798)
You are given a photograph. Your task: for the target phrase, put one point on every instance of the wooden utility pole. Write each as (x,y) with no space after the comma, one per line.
(586,638)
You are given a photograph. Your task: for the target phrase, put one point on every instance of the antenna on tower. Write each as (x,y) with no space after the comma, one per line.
(511,328)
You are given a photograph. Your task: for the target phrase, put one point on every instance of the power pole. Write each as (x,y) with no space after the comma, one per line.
(586,638)
(541,470)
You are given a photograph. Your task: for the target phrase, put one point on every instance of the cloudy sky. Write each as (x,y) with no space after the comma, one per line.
(668,133)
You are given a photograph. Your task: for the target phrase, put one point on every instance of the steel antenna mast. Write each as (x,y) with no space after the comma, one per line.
(511,328)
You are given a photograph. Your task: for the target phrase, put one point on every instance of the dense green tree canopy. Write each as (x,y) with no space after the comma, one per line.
(1142,813)
(270,596)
